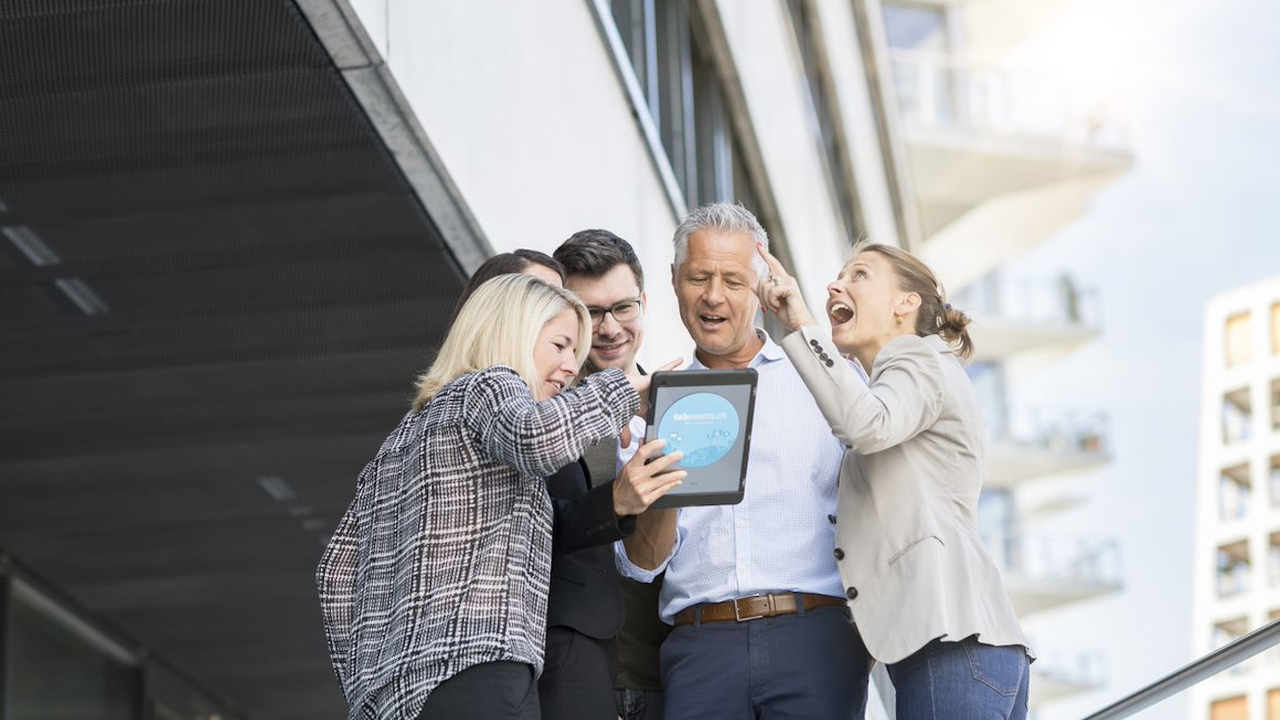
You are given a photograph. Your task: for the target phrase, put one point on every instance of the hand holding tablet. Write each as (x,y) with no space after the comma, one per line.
(706,416)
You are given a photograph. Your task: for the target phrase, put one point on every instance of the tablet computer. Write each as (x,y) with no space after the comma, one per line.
(707,415)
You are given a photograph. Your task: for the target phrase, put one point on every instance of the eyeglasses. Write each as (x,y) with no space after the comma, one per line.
(622,312)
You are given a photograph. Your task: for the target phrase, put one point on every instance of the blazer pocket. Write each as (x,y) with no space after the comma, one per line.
(913,545)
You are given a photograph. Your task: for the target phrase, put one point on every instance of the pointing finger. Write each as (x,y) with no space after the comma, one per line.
(775,266)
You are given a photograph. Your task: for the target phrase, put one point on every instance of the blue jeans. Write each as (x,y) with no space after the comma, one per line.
(964,680)
(807,666)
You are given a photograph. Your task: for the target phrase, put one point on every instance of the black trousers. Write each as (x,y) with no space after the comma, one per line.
(577,679)
(488,691)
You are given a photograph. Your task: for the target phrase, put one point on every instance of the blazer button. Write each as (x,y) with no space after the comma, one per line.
(831,519)
(823,356)
(813,343)
(851,593)
(830,362)
(839,554)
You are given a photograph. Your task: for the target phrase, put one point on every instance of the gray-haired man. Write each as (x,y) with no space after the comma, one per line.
(753,592)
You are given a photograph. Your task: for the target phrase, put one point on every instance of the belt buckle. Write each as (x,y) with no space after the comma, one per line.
(737,609)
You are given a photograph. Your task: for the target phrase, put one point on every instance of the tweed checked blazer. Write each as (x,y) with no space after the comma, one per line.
(443,559)
(907,541)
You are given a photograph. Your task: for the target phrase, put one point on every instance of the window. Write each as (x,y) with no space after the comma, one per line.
(988,386)
(1234,489)
(916,26)
(1239,341)
(1273,481)
(685,97)
(1237,416)
(1273,560)
(62,670)
(825,114)
(998,527)
(1275,329)
(1271,656)
(1228,630)
(1275,404)
(923,74)
(170,697)
(1234,708)
(1233,569)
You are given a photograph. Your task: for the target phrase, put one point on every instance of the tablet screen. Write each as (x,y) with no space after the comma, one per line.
(709,424)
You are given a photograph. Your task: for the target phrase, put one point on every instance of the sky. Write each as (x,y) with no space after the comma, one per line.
(1196,216)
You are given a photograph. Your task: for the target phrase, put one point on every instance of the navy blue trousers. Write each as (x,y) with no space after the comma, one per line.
(809,666)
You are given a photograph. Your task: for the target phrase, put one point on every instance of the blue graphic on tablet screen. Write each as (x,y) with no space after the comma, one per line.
(702,425)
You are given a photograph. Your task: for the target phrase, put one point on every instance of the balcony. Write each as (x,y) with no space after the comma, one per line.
(1040,444)
(1057,674)
(1014,316)
(998,155)
(1047,572)
(1235,570)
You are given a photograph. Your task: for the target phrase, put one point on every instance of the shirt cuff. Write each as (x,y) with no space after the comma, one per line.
(630,570)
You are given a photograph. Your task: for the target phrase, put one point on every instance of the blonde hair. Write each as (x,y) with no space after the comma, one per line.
(499,325)
(935,315)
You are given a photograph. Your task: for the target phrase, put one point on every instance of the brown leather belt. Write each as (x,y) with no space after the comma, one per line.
(755,607)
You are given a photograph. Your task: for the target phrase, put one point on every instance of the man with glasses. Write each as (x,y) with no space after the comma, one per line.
(590,650)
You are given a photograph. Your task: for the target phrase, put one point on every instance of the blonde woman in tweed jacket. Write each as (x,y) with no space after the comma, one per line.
(434,586)
(926,596)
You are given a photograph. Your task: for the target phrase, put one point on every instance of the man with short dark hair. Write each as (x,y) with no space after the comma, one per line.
(585,611)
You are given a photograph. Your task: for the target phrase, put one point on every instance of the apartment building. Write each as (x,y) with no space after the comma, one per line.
(1237,562)
(234,231)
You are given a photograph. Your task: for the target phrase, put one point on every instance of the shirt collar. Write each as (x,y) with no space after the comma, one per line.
(769,352)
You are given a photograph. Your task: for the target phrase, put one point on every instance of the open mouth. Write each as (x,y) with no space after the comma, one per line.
(712,321)
(839,313)
(609,349)
(556,386)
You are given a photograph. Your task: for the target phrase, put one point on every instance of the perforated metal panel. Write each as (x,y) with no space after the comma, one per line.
(211,272)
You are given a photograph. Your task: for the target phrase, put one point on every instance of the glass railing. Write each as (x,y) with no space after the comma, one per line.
(1079,669)
(1078,560)
(1057,431)
(938,90)
(1033,301)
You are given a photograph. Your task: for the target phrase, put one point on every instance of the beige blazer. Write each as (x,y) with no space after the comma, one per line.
(907,540)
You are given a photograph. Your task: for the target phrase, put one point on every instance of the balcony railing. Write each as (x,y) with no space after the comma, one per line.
(941,91)
(1234,580)
(1058,431)
(1058,673)
(1077,560)
(1031,301)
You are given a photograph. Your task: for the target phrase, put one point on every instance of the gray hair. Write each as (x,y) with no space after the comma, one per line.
(725,219)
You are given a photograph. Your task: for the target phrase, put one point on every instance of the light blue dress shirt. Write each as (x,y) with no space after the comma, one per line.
(780,538)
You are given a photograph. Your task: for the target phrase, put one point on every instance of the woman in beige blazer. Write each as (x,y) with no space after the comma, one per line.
(923,590)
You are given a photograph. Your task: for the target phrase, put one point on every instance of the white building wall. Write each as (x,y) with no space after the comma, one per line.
(765,53)
(524,107)
(869,161)
(1254,677)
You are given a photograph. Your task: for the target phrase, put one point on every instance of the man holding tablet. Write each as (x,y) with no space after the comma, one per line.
(752,589)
